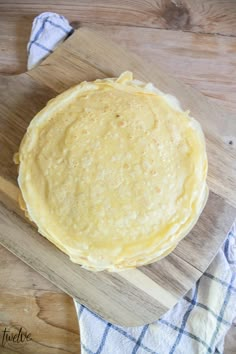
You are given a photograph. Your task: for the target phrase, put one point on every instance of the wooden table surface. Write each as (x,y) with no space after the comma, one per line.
(194,40)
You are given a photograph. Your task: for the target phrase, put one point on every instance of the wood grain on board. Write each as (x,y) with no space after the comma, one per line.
(183,55)
(203,54)
(137,296)
(114,296)
(83,54)
(192,57)
(55,326)
(204,16)
(30,301)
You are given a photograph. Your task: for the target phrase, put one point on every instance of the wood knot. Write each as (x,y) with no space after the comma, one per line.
(75,24)
(177,16)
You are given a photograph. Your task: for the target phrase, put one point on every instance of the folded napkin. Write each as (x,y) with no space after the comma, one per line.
(196,324)
(48,30)
(199,321)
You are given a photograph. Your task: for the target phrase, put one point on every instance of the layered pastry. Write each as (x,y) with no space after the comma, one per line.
(113,172)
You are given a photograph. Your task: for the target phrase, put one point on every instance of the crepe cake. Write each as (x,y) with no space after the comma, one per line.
(113,172)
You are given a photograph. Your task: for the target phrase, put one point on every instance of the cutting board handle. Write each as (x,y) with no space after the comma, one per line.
(86,55)
(65,66)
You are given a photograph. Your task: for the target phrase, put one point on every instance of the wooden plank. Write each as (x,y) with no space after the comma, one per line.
(55,326)
(114,297)
(22,290)
(28,298)
(137,296)
(12,59)
(89,63)
(205,62)
(22,111)
(16,275)
(216,219)
(14,35)
(31,301)
(204,16)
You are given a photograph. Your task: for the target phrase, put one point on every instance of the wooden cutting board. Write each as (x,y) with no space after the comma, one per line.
(142,295)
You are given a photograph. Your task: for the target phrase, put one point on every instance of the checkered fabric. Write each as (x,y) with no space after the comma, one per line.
(199,321)
(48,31)
(196,324)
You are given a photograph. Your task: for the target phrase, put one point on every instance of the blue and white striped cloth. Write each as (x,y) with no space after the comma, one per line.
(199,321)
(48,31)
(196,324)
